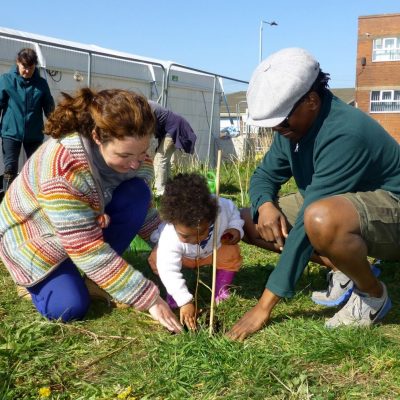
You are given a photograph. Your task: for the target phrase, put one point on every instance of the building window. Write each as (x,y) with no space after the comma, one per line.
(385,101)
(386,49)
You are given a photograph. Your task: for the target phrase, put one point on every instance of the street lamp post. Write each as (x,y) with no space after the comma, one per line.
(272,23)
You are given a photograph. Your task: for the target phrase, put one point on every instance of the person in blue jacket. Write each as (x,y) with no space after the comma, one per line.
(347,170)
(24,96)
(172,132)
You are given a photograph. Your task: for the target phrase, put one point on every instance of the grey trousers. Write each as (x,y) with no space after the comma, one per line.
(162,164)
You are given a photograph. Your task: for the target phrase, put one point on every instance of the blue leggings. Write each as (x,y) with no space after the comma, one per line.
(63,293)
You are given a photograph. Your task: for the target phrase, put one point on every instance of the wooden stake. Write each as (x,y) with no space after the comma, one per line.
(215,242)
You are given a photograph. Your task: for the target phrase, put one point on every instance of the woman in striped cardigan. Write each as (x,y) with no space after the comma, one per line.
(77,204)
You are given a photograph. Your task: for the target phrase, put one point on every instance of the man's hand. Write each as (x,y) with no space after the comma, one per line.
(272,225)
(254,319)
(164,315)
(188,316)
(230,236)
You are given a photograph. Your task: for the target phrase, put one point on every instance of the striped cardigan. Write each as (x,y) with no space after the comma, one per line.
(52,212)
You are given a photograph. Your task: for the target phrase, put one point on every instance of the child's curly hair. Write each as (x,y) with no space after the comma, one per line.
(188,201)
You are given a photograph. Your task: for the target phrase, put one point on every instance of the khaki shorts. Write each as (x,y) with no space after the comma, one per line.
(379,214)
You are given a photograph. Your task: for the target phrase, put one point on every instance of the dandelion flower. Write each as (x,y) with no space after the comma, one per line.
(44,392)
(125,393)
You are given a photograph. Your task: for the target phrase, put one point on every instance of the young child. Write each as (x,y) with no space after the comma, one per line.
(190,211)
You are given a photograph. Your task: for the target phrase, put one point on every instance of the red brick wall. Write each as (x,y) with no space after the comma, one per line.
(377,75)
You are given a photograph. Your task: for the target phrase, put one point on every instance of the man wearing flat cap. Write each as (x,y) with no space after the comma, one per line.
(347,170)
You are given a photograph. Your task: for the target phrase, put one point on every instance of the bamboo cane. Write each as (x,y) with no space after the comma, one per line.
(215,242)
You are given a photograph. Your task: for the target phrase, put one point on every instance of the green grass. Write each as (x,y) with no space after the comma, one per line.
(116,351)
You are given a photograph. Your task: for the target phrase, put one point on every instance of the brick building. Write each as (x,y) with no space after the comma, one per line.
(378,70)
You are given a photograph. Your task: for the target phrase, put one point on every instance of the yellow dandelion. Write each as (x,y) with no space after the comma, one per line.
(125,393)
(259,157)
(44,392)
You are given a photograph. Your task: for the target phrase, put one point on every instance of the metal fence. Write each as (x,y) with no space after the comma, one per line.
(195,94)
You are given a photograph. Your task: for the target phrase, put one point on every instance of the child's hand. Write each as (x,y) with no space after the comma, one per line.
(230,236)
(188,316)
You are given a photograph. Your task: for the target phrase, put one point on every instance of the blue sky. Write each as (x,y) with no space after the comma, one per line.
(213,35)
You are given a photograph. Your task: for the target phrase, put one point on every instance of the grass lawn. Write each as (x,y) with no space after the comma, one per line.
(124,354)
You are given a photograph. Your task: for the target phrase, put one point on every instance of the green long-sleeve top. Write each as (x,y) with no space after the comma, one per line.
(344,151)
(22,103)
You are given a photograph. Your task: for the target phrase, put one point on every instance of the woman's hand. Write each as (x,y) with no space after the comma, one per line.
(230,236)
(272,225)
(161,312)
(188,316)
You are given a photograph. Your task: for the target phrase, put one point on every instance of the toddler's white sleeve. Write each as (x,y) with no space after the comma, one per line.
(169,266)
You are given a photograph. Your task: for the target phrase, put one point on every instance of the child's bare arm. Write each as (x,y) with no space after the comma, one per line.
(230,236)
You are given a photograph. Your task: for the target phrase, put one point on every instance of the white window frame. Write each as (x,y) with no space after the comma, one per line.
(388,101)
(383,50)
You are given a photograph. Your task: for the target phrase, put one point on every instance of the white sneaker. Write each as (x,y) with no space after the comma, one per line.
(361,310)
(340,288)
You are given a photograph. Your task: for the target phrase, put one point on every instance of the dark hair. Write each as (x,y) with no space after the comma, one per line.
(112,113)
(27,57)
(320,84)
(188,201)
